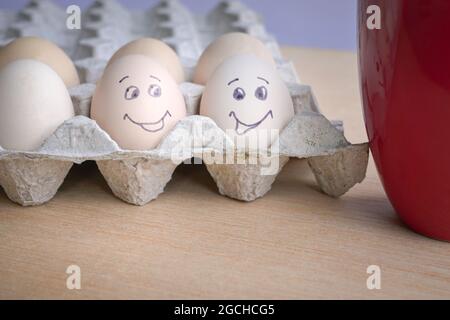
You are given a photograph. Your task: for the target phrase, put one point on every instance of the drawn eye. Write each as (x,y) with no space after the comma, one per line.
(239,94)
(155,91)
(261,93)
(132,93)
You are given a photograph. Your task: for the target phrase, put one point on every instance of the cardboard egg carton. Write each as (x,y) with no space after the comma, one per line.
(41,18)
(138,177)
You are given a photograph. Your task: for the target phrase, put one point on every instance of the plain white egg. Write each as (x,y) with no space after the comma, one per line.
(34,102)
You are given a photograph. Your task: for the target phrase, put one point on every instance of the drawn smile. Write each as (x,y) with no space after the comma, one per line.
(242,127)
(150,126)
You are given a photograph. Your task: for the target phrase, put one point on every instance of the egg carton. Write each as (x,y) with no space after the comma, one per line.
(107,26)
(138,177)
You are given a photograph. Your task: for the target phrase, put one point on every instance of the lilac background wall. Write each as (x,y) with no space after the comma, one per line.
(310,23)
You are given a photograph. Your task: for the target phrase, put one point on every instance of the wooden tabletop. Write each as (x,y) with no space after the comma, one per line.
(192,243)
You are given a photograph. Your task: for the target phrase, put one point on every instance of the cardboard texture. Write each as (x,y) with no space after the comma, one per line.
(138,177)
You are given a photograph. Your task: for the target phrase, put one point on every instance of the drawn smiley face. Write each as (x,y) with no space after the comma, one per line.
(137,102)
(245,96)
(132,92)
(239,94)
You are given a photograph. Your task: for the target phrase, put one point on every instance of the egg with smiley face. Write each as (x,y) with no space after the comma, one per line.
(137,102)
(246,97)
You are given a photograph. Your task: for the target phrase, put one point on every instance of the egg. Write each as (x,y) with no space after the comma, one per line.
(155,49)
(44,51)
(34,102)
(246,97)
(226,46)
(137,102)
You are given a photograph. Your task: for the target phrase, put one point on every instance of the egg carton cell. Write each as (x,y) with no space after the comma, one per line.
(138,177)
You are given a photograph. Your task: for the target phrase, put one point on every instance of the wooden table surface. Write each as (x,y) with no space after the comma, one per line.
(192,243)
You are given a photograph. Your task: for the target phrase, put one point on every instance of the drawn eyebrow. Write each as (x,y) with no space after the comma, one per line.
(262,79)
(232,81)
(121,80)
(155,78)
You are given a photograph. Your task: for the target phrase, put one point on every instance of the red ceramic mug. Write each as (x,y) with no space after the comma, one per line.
(404,57)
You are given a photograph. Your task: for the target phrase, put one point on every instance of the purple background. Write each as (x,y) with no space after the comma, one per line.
(309,23)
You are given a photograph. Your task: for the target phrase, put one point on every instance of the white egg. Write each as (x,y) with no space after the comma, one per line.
(42,50)
(34,102)
(246,97)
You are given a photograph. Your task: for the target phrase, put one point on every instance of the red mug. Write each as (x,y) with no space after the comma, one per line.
(404,59)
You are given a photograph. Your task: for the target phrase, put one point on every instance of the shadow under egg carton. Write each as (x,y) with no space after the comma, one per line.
(138,177)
